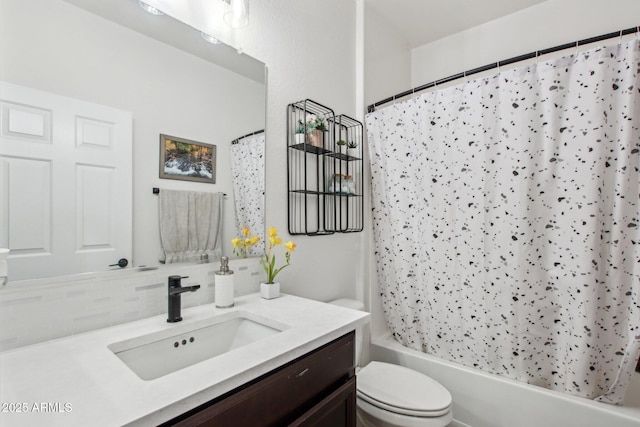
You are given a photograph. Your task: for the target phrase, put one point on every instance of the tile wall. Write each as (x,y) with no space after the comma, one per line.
(41,310)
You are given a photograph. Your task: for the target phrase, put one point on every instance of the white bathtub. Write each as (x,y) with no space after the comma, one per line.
(485,400)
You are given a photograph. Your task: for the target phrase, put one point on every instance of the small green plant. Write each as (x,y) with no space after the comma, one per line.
(321,124)
(313,123)
(352,144)
(341,142)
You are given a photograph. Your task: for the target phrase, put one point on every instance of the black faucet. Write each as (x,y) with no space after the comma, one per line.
(175,289)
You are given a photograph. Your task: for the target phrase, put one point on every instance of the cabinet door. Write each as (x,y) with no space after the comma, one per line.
(284,395)
(336,410)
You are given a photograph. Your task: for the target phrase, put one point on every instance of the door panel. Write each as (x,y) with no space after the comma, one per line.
(95,212)
(65,183)
(23,122)
(27,205)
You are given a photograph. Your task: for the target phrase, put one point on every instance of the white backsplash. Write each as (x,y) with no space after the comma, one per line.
(40,310)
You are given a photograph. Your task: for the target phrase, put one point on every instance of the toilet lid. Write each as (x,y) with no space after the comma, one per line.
(402,390)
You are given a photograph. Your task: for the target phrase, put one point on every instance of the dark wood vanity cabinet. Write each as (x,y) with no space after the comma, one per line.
(317,389)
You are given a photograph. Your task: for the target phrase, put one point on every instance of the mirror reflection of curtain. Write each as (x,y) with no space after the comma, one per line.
(247,169)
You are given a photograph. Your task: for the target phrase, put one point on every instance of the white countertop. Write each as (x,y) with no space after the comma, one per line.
(78,381)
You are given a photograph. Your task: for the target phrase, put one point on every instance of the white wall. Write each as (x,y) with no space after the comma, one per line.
(309,49)
(387,58)
(547,24)
(54,46)
(41,310)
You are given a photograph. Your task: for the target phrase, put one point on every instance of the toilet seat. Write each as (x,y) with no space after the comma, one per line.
(402,391)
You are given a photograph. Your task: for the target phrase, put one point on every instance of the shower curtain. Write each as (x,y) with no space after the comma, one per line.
(506,216)
(247,168)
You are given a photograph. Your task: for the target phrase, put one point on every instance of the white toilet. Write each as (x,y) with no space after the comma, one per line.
(394,396)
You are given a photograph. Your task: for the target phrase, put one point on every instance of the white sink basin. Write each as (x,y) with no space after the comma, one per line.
(155,355)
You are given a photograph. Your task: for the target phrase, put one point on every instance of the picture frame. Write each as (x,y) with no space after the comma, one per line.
(187,160)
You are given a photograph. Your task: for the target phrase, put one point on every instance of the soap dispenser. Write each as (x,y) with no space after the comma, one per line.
(224,285)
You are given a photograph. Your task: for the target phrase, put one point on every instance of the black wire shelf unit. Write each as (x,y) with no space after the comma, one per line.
(325,169)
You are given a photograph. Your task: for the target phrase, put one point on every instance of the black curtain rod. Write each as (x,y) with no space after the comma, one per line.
(235,141)
(371,108)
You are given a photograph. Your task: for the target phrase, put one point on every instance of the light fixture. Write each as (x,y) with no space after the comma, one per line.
(152,10)
(236,13)
(209,38)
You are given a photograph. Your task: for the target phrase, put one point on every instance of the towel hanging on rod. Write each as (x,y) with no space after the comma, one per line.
(190,225)
(156,191)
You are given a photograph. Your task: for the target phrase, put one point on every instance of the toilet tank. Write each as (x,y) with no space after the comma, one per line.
(354,305)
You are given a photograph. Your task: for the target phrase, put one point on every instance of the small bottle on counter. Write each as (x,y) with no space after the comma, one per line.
(224,285)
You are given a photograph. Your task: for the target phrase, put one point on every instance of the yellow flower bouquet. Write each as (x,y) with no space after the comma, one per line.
(241,244)
(268,260)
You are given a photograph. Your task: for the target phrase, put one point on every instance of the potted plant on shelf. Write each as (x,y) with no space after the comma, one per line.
(311,130)
(241,244)
(271,289)
(352,149)
(300,133)
(342,146)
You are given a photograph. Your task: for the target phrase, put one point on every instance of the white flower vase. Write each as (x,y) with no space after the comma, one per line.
(269,290)
(353,152)
(299,138)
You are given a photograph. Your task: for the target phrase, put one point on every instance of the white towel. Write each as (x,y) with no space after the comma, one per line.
(190,225)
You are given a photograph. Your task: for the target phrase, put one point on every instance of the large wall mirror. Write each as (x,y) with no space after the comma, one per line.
(158,74)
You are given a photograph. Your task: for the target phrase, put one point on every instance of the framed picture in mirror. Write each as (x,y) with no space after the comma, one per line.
(187,160)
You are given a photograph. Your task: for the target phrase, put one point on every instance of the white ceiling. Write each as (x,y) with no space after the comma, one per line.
(418,21)
(175,33)
(424,21)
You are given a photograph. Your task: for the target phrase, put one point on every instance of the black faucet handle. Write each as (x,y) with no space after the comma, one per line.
(174,281)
